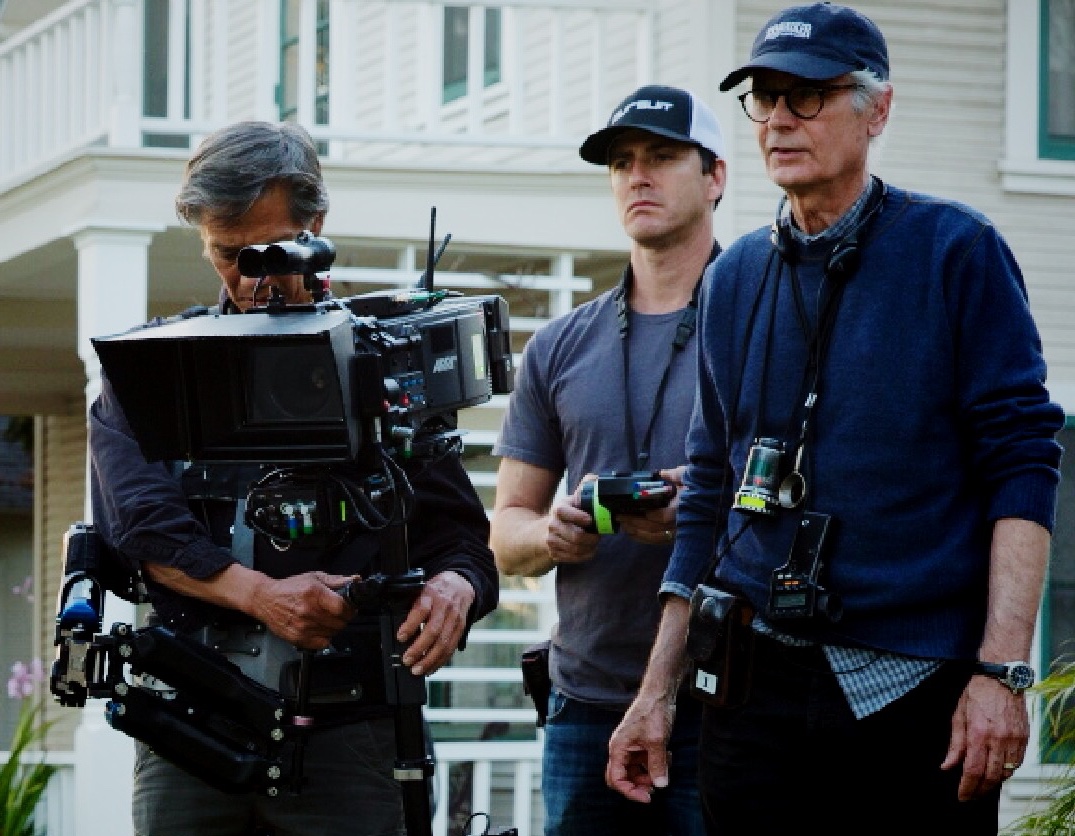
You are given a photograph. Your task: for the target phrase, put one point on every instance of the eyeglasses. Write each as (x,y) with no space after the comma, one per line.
(805,102)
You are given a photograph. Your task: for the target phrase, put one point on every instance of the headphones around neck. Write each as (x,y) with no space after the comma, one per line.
(846,255)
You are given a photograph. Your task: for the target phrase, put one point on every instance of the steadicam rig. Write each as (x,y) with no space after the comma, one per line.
(299,416)
(212,721)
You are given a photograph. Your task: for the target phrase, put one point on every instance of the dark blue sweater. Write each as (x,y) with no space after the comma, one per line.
(932,421)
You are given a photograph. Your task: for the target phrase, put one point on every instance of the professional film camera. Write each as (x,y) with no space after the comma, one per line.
(268,409)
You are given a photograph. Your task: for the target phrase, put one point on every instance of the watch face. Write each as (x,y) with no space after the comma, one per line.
(1020,677)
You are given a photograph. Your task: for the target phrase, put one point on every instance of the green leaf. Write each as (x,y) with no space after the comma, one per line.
(21,784)
(1054,813)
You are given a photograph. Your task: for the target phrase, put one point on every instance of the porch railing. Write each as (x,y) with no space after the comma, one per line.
(78,76)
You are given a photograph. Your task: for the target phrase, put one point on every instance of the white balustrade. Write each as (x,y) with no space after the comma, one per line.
(75,78)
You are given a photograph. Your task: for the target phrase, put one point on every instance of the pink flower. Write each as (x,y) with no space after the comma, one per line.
(24,679)
(25,589)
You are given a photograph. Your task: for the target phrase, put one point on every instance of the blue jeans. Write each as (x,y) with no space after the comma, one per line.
(578,802)
(794,759)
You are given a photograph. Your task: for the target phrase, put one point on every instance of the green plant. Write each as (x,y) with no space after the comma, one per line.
(22,784)
(1055,816)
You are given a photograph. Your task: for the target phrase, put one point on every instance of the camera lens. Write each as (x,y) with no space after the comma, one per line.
(294,384)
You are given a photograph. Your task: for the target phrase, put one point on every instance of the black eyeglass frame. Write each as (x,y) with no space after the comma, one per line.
(785,94)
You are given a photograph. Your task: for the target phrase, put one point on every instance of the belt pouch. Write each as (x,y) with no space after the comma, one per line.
(536,680)
(720,646)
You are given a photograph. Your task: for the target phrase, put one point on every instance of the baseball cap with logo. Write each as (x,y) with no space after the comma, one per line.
(666,111)
(818,42)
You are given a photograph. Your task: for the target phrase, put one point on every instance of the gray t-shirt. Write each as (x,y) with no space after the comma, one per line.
(566,413)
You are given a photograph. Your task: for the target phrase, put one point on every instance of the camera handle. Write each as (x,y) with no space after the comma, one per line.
(394,590)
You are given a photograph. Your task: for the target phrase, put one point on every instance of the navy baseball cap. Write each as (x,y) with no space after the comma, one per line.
(817,42)
(666,111)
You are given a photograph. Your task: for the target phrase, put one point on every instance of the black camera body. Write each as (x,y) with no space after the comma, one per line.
(623,493)
(319,382)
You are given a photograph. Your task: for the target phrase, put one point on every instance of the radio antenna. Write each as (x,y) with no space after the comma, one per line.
(427,278)
(426,281)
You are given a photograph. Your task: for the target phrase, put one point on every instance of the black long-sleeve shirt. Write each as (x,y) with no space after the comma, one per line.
(142,512)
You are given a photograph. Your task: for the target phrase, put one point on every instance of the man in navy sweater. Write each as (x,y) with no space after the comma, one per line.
(873,448)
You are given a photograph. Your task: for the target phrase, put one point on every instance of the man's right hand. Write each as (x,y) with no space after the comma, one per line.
(637,750)
(304,610)
(567,539)
(532,531)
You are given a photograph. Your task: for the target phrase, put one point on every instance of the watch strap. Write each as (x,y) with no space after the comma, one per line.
(1016,676)
(993,669)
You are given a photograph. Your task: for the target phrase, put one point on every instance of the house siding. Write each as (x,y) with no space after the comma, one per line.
(61,484)
(946,137)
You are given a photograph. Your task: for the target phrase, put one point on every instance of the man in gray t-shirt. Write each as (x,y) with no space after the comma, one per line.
(609,388)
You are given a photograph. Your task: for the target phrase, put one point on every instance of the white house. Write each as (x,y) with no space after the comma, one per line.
(477,110)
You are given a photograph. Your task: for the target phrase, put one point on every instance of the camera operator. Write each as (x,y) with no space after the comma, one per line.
(251,183)
(609,388)
(879,342)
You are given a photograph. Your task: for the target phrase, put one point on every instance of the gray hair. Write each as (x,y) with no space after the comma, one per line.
(870,86)
(236,165)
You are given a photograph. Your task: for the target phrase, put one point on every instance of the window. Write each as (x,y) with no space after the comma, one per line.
(1057,130)
(156,35)
(287,93)
(321,65)
(458,42)
(1039,135)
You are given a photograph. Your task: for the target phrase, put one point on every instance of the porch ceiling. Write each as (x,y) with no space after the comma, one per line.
(374,213)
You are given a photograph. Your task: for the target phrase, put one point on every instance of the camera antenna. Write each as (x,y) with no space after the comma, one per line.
(426,281)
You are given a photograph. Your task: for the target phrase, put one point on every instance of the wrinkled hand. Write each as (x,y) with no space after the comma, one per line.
(304,610)
(656,527)
(637,750)
(990,728)
(436,622)
(567,539)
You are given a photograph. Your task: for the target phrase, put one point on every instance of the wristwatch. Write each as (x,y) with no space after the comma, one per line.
(1018,676)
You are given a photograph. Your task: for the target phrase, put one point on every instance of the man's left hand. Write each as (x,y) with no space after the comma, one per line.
(436,622)
(990,730)
(656,527)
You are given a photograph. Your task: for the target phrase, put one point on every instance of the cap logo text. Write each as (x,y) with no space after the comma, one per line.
(789,28)
(640,104)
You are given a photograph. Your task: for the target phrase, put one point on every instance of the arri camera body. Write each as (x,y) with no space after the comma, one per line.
(309,383)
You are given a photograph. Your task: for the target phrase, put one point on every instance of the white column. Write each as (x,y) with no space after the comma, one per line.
(112,294)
